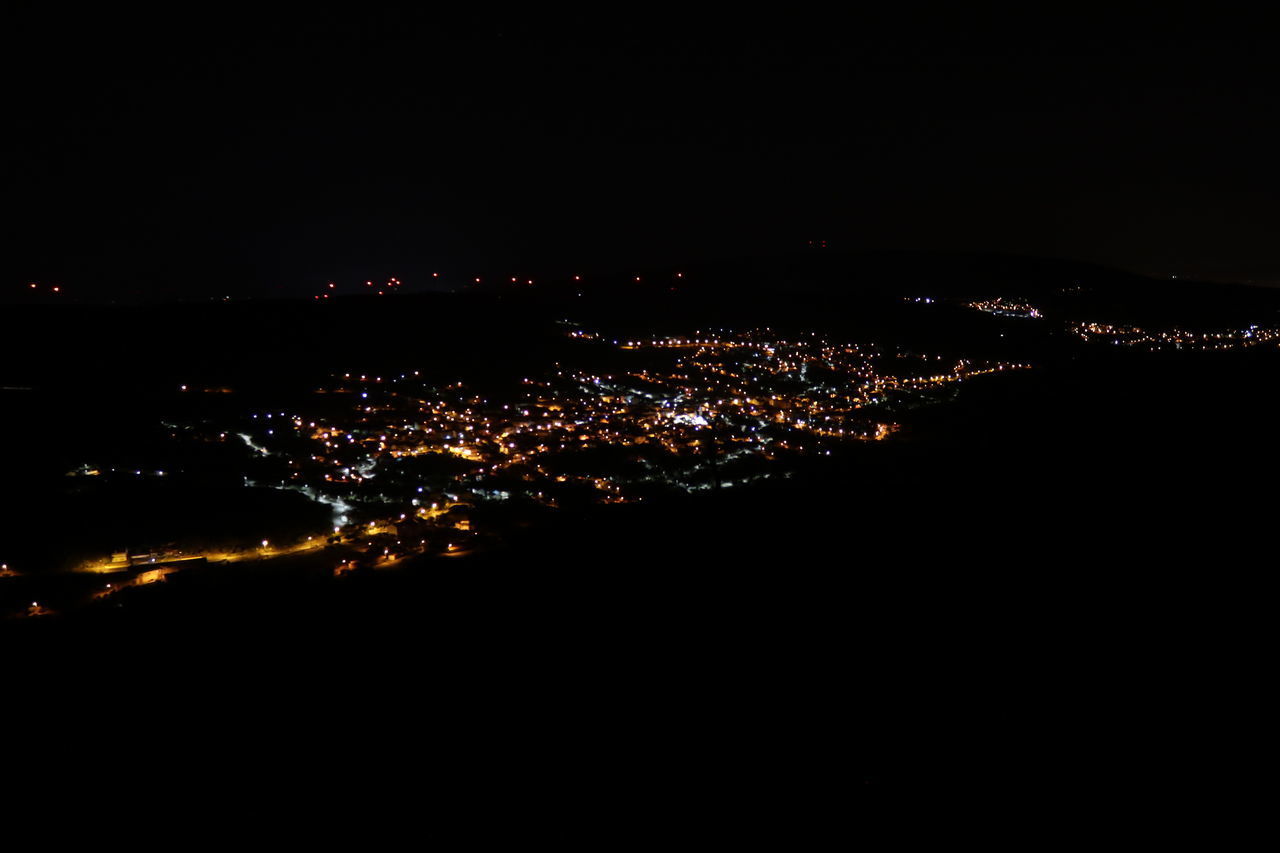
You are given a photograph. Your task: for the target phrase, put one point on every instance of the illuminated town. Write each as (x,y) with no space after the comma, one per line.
(1128,335)
(722,403)
(1175,339)
(402,463)
(1007,308)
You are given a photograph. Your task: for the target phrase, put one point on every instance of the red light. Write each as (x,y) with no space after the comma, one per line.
(331,284)
(33,285)
(57,289)
(435,275)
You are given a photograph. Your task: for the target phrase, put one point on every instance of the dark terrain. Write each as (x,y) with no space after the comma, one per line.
(1094,530)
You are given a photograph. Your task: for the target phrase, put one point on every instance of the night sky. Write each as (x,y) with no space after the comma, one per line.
(186,156)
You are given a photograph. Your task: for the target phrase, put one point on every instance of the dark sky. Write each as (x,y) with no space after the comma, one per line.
(221,150)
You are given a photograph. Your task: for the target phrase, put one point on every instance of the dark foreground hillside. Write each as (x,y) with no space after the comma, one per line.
(1048,582)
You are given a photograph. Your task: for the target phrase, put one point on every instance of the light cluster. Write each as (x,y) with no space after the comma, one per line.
(712,409)
(399,459)
(1007,308)
(1175,339)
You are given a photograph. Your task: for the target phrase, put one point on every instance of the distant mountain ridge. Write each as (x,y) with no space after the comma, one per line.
(947,274)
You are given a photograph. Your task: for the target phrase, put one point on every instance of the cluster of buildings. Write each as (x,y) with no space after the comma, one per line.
(685,413)
(403,460)
(1128,335)
(1007,308)
(1174,339)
